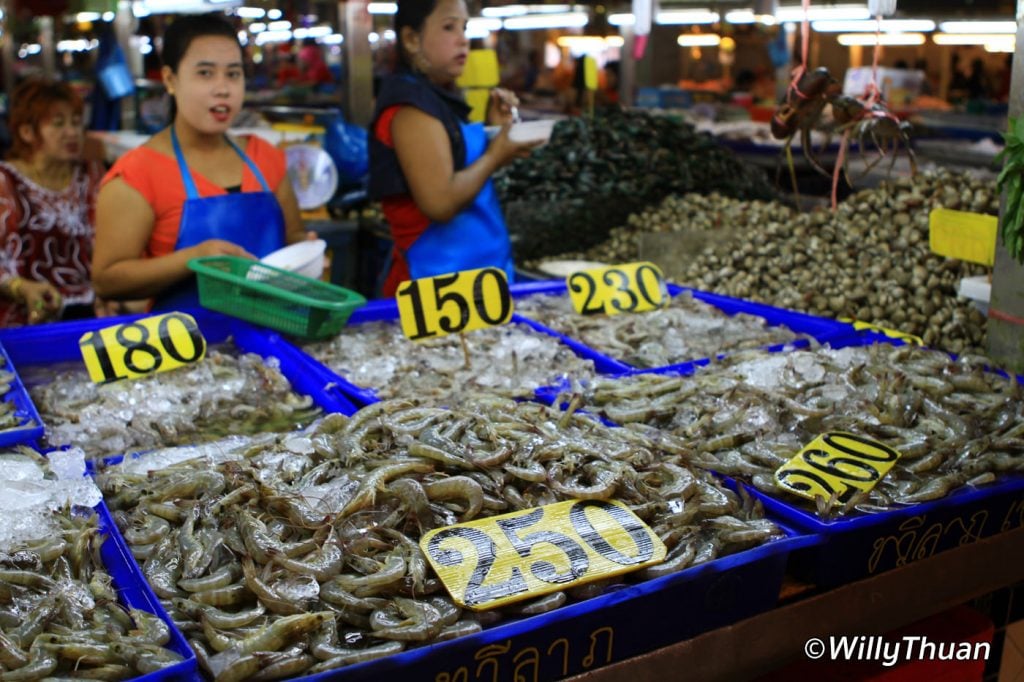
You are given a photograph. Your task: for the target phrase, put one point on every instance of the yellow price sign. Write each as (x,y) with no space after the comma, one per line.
(453,303)
(589,73)
(963,235)
(135,349)
(859,325)
(836,466)
(632,288)
(498,560)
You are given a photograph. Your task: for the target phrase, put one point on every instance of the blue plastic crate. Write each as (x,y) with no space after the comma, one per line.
(386,310)
(862,546)
(612,627)
(52,343)
(135,592)
(31,428)
(822,329)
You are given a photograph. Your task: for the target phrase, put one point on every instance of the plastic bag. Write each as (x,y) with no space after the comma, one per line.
(113,74)
(348,146)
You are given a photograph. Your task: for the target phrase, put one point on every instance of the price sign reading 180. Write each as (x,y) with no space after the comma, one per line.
(498,560)
(629,288)
(135,349)
(453,303)
(836,466)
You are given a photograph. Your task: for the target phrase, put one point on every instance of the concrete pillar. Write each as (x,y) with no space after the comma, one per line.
(356,25)
(49,47)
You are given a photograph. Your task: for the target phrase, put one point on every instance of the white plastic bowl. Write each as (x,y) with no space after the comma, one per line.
(303,258)
(527,131)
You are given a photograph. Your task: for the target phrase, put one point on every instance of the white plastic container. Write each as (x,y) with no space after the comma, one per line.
(303,258)
(978,289)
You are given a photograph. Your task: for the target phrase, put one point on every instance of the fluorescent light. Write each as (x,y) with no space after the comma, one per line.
(274,14)
(108,16)
(382,7)
(521,10)
(312,32)
(84,17)
(373,37)
(698,40)
(978,26)
(746,16)
(273,37)
(848,39)
(1001,44)
(844,12)
(279,26)
(80,45)
(569,20)
(871,26)
(482,24)
(250,12)
(333,39)
(257,26)
(388,34)
(686,16)
(592,43)
(967,38)
(139,9)
(621,19)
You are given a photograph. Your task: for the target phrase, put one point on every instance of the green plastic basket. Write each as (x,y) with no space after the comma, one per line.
(273,297)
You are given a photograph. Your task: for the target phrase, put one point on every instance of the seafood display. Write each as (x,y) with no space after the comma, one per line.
(511,360)
(685,329)
(301,555)
(222,394)
(953,423)
(60,615)
(870,260)
(9,419)
(597,170)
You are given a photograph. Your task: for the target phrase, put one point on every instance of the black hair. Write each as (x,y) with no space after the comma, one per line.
(412,14)
(183,30)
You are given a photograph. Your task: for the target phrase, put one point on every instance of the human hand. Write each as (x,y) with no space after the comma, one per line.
(503,107)
(325,276)
(505,150)
(41,300)
(219,247)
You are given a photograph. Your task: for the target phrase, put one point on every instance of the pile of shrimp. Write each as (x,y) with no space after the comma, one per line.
(301,553)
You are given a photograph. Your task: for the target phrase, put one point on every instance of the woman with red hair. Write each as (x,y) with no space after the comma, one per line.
(47,200)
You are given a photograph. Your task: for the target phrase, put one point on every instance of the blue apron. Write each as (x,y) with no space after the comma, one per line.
(475,238)
(252,220)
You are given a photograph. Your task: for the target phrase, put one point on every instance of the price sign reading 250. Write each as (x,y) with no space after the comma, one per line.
(453,303)
(837,466)
(495,561)
(629,288)
(135,349)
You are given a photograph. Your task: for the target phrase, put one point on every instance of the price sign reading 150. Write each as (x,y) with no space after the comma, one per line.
(453,303)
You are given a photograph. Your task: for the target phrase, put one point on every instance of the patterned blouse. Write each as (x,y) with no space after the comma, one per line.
(47,235)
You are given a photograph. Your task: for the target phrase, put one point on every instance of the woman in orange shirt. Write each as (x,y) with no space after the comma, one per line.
(191,190)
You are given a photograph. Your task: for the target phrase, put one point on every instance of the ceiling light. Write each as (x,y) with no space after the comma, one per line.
(568,20)
(967,38)
(978,26)
(686,16)
(698,40)
(845,12)
(871,26)
(848,39)
(382,7)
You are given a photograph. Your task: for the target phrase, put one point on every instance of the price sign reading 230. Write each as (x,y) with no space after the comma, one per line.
(629,288)
(453,303)
(498,560)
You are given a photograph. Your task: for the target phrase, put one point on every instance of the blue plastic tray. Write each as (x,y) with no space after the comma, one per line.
(589,634)
(31,428)
(823,329)
(46,344)
(386,310)
(135,592)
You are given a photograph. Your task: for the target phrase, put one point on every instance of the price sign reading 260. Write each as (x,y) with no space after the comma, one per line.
(453,303)
(629,288)
(495,561)
(135,349)
(837,466)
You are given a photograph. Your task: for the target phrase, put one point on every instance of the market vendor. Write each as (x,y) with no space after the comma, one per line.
(47,198)
(429,167)
(192,190)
